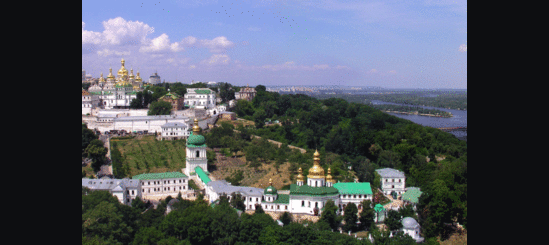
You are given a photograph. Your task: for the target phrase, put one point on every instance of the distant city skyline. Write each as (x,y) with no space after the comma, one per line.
(388,44)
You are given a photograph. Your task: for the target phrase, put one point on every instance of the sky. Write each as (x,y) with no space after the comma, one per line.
(384,43)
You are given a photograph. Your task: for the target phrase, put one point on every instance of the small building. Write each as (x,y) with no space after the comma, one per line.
(411,227)
(201,98)
(174,131)
(89,101)
(228,115)
(162,184)
(251,195)
(174,99)
(246,93)
(125,190)
(392,180)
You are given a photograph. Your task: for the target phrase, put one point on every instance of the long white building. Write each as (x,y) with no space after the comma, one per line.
(150,123)
(154,185)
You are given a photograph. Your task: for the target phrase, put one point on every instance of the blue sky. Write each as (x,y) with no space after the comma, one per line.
(392,44)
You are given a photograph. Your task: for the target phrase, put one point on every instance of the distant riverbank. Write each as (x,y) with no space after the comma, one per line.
(420,114)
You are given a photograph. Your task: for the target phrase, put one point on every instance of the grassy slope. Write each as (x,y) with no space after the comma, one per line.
(149,155)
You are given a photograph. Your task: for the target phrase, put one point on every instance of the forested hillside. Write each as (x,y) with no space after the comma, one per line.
(369,139)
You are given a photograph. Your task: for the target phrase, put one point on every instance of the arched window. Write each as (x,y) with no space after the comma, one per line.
(197,154)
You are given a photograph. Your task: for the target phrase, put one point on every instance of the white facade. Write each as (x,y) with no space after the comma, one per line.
(168,186)
(150,123)
(125,190)
(175,131)
(89,102)
(154,79)
(345,199)
(201,98)
(306,204)
(392,180)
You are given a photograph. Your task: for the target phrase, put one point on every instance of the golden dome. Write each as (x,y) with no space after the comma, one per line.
(329,176)
(138,78)
(270,181)
(110,76)
(300,175)
(131,75)
(316,171)
(101,79)
(196,128)
(122,72)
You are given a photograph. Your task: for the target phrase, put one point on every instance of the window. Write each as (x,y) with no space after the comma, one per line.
(277,207)
(354,196)
(316,204)
(359,196)
(309,204)
(127,192)
(132,192)
(257,199)
(285,207)
(393,180)
(393,186)
(250,206)
(400,180)
(250,199)
(302,203)
(179,181)
(196,153)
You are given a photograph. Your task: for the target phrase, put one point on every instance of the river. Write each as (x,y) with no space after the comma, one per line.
(458,120)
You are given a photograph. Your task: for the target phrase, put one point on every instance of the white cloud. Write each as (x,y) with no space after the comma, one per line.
(217,59)
(463,48)
(216,45)
(189,41)
(107,52)
(119,31)
(161,44)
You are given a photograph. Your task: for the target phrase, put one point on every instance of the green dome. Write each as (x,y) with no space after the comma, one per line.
(195,139)
(270,190)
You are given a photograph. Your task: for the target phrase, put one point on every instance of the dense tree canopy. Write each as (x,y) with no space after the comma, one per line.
(160,108)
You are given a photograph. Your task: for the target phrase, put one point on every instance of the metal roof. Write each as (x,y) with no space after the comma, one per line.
(411,195)
(409,223)
(222,186)
(109,184)
(158,117)
(390,173)
(165,175)
(354,188)
(312,191)
(174,125)
(203,176)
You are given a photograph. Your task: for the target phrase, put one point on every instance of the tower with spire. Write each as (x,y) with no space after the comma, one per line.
(196,151)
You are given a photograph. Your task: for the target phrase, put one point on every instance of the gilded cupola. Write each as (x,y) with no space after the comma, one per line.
(329,176)
(122,72)
(110,76)
(316,171)
(131,74)
(300,175)
(101,79)
(196,128)
(138,78)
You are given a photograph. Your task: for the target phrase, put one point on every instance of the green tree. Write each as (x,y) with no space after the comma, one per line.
(259,118)
(393,220)
(237,201)
(225,224)
(193,185)
(160,108)
(259,209)
(96,151)
(286,218)
(367,214)
(105,221)
(87,137)
(329,215)
(148,235)
(350,217)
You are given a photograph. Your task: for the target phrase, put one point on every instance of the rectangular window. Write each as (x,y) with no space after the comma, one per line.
(302,203)
(277,207)
(285,207)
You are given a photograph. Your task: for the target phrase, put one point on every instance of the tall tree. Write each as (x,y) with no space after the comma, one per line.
(329,215)
(350,217)
(286,218)
(393,220)
(237,201)
(367,214)
(160,108)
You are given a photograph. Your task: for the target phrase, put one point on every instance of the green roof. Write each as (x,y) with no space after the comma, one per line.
(379,208)
(312,191)
(281,199)
(411,195)
(203,91)
(203,176)
(270,190)
(166,175)
(354,188)
(196,140)
(173,96)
